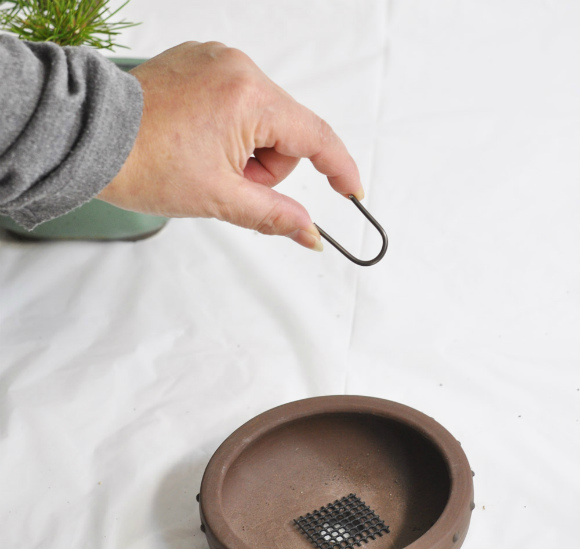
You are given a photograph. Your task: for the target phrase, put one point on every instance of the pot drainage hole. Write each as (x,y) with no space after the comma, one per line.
(342,525)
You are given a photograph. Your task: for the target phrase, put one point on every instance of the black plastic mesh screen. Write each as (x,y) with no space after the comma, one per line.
(342,525)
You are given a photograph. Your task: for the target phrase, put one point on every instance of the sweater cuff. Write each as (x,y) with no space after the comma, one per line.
(79,136)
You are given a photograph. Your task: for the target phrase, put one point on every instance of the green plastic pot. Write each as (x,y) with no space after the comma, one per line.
(95,220)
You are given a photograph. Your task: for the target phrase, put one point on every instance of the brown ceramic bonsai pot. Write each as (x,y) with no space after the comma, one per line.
(338,472)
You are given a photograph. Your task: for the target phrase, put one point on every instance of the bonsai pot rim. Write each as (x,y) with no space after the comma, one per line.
(449,529)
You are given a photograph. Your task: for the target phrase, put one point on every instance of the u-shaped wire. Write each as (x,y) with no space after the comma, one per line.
(362,262)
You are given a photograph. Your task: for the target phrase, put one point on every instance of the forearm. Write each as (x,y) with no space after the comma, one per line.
(68,120)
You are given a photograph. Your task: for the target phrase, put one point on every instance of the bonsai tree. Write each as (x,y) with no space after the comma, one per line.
(64,22)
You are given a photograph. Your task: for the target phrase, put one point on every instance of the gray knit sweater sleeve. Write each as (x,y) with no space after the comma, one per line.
(68,120)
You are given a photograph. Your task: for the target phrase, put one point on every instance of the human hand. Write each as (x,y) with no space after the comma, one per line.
(216,135)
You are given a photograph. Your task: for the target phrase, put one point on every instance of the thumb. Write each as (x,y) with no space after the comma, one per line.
(255,206)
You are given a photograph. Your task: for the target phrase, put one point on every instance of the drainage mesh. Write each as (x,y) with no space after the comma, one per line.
(342,525)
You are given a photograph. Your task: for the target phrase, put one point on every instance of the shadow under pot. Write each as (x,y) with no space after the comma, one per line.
(95,220)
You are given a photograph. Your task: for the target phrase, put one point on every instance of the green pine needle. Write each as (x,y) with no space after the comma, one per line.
(65,22)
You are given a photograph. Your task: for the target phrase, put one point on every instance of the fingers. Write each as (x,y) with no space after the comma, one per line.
(296,131)
(255,206)
(269,167)
(293,133)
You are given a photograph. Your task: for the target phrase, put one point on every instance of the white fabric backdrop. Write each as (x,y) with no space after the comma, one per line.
(123,366)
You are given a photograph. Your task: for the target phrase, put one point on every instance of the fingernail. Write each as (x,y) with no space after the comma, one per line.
(309,238)
(318,247)
(360,194)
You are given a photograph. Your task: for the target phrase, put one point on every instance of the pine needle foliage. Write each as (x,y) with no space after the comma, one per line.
(65,22)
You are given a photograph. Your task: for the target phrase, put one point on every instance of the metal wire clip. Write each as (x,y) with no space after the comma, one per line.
(348,255)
